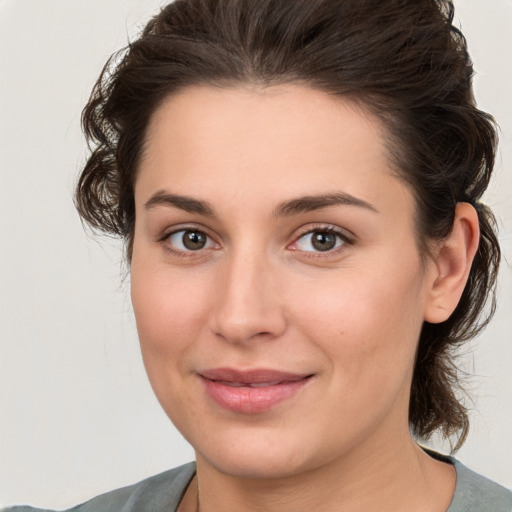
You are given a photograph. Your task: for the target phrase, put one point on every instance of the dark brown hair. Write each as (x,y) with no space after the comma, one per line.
(402,59)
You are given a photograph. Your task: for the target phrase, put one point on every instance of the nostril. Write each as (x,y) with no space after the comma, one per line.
(248,328)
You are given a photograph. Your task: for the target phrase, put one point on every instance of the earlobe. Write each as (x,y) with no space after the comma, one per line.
(451,264)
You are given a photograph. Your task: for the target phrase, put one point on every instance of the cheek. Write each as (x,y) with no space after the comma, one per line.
(367,321)
(170,316)
(169,311)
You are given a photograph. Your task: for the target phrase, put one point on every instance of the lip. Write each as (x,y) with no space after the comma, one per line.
(251,391)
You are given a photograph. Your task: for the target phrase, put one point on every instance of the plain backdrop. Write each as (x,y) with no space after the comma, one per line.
(77,415)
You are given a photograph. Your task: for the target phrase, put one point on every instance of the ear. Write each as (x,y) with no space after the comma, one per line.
(451,264)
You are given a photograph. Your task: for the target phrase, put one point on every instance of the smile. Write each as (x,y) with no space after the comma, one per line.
(253,385)
(251,392)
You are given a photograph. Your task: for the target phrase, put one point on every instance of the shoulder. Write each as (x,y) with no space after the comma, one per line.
(160,492)
(475,493)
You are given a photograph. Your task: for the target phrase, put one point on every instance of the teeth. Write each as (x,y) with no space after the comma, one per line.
(232,384)
(263,384)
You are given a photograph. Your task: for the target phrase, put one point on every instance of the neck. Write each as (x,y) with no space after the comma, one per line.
(380,478)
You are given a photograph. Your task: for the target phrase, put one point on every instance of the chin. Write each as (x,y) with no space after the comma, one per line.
(261,454)
(257,464)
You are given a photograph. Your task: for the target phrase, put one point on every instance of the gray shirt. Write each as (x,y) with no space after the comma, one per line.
(163,492)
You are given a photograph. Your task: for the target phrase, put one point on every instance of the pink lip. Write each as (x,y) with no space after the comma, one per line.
(251,391)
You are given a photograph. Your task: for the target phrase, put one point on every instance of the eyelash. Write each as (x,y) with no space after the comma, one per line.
(323,228)
(164,240)
(341,235)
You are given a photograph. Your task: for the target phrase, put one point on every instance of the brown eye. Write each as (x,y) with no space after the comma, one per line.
(194,240)
(319,241)
(323,241)
(190,240)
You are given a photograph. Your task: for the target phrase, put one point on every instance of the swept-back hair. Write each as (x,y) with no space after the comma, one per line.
(403,60)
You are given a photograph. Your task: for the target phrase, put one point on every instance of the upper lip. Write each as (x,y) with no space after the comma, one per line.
(254,376)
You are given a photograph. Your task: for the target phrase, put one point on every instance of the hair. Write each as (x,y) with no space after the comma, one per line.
(403,60)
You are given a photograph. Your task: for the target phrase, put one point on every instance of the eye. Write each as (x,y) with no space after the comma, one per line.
(319,240)
(187,240)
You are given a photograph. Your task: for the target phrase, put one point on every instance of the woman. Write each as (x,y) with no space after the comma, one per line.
(298,185)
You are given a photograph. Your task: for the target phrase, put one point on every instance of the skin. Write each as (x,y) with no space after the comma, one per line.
(259,295)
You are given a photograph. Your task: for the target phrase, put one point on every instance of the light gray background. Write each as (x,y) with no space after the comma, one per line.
(77,415)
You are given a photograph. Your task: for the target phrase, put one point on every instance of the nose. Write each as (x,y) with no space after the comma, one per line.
(248,305)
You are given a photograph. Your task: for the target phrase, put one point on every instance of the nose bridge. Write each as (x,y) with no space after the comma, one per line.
(248,304)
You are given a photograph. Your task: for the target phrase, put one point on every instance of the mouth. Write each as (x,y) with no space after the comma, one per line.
(252,391)
(249,385)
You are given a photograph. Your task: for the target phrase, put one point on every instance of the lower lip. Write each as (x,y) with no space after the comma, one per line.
(250,400)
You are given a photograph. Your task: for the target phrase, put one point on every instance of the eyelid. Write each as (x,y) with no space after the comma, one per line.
(346,236)
(164,240)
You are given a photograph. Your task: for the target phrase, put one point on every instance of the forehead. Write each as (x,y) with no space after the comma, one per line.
(288,138)
(296,118)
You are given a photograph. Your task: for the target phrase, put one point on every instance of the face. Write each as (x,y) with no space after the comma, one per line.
(276,281)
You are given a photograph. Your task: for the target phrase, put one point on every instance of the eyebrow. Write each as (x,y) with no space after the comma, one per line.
(185,203)
(310,203)
(286,209)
